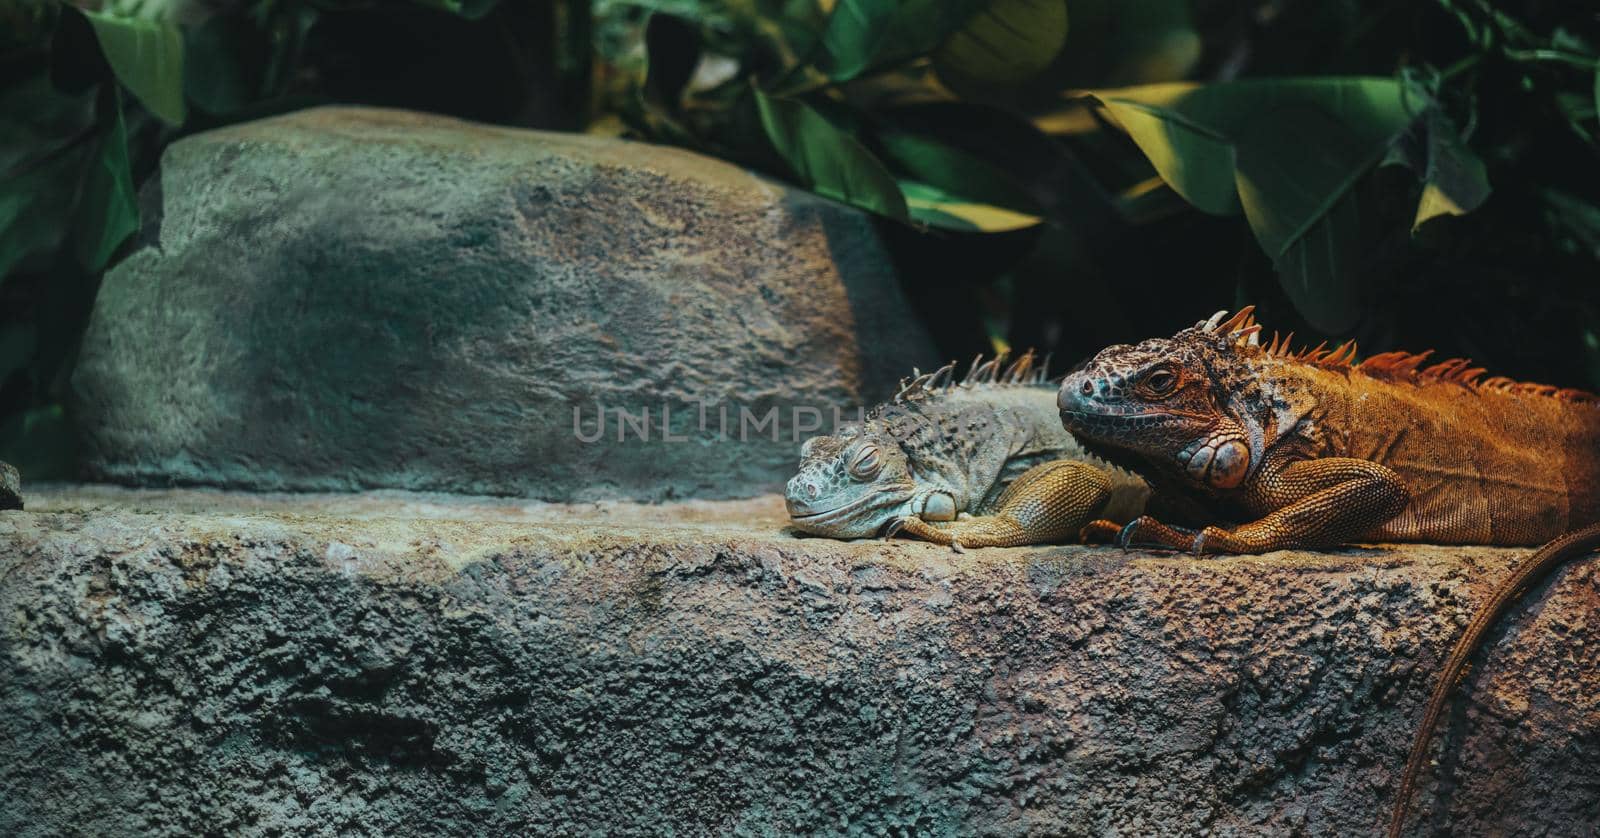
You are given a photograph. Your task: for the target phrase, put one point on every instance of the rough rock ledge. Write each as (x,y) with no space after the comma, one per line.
(182,662)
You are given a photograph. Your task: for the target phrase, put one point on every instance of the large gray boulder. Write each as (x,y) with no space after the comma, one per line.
(345,297)
(177,663)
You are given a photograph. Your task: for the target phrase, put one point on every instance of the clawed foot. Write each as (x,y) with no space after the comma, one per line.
(1146,532)
(1100,532)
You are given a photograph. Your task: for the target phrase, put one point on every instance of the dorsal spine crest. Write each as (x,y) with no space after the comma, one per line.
(1241,332)
(1025,371)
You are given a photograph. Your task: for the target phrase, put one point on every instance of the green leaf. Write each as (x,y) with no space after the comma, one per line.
(961,176)
(1006,41)
(1455,181)
(1147,201)
(1298,145)
(866,34)
(1194,160)
(469,9)
(1293,149)
(108,211)
(938,208)
(827,160)
(1010,151)
(1126,42)
(1321,270)
(147,57)
(851,39)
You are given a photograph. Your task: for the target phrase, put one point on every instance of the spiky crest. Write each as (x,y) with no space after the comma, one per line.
(1242,331)
(1025,371)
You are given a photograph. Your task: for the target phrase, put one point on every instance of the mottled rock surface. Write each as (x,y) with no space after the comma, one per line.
(181,662)
(10,487)
(351,298)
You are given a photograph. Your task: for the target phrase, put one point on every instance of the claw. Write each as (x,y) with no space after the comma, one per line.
(1126,534)
(1201,545)
(1146,532)
(894,526)
(955,545)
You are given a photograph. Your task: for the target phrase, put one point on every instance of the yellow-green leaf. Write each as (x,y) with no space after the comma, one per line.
(937,208)
(147,57)
(1194,160)
(1455,181)
(826,160)
(1006,41)
(1297,145)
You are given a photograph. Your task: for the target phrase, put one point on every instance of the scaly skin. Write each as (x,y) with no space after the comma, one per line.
(982,463)
(1278,449)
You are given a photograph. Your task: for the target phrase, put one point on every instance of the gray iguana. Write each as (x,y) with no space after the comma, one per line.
(983,462)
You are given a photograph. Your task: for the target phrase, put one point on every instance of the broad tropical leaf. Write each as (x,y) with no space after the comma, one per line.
(1455,181)
(1299,144)
(1116,43)
(938,208)
(108,211)
(147,57)
(1321,271)
(1293,150)
(827,160)
(1196,161)
(1006,41)
(953,171)
(865,34)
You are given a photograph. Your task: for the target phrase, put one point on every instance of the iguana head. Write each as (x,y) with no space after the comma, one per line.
(850,485)
(1190,406)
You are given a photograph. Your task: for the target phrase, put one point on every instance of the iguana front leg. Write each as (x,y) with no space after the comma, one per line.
(1048,503)
(1315,503)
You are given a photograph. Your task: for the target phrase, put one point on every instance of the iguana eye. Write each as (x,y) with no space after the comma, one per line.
(1160,381)
(867,464)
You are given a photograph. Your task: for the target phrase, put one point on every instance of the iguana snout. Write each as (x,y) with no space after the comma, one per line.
(1147,398)
(849,486)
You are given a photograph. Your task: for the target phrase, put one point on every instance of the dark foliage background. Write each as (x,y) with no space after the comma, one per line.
(1060,174)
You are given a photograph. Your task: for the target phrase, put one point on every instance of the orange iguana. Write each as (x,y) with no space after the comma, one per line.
(1274,448)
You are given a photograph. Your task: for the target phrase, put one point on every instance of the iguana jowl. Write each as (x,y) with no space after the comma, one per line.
(1275,448)
(979,463)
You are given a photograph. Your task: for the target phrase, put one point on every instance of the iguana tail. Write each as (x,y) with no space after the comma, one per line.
(1541,563)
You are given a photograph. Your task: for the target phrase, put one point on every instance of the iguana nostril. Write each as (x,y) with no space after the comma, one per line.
(811,490)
